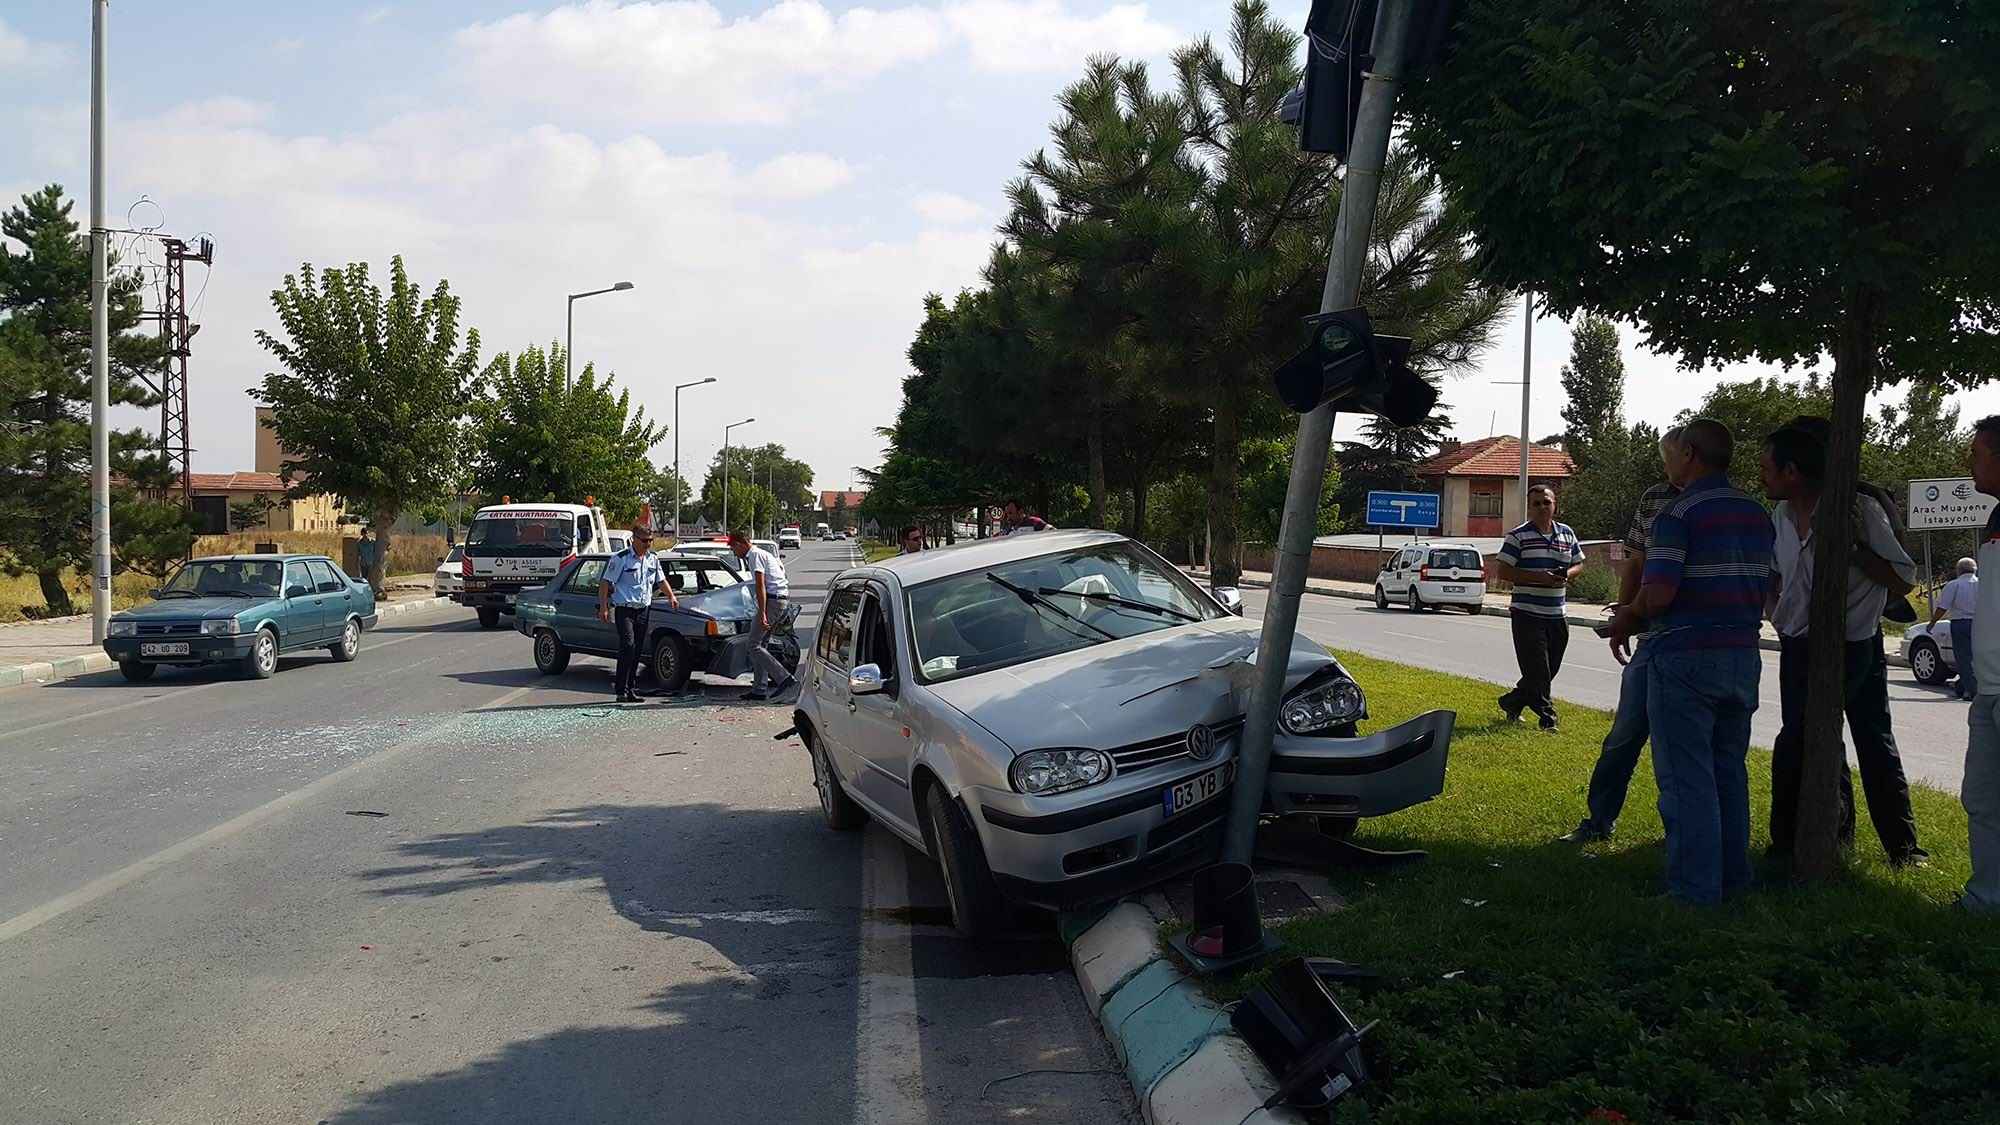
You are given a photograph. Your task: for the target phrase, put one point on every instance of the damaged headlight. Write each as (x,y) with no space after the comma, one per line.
(1317,707)
(1042,772)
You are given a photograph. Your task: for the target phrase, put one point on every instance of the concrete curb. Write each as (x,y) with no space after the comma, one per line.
(1895,658)
(1186,1064)
(89,664)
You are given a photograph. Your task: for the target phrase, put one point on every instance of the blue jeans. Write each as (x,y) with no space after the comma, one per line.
(1980,793)
(1705,698)
(1612,775)
(1961,655)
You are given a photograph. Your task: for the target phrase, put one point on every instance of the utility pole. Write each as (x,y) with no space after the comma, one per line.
(1527,360)
(100,345)
(677,444)
(1349,253)
(726,529)
(569,318)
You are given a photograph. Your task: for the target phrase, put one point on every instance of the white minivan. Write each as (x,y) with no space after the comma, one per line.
(1431,575)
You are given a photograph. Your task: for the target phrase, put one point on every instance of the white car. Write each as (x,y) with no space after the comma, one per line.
(1430,575)
(449,577)
(788,539)
(1928,650)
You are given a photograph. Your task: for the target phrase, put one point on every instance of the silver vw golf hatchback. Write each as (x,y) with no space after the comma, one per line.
(1054,717)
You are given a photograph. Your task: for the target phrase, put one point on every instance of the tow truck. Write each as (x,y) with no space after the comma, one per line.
(514,547)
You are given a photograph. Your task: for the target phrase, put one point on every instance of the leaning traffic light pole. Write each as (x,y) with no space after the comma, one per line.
(1368,153)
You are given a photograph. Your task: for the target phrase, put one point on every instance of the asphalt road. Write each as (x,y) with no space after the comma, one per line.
(432,886)
(1930,724)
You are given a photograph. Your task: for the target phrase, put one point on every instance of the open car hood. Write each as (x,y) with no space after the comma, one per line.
(1123,691)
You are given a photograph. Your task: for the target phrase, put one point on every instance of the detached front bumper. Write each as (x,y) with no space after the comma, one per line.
(201,650)
(1064,852)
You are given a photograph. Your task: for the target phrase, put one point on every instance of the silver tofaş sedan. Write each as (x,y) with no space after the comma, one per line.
(1054,718)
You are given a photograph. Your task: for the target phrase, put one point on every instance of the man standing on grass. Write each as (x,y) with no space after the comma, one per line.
(1794,470)
(769,676)
(1959,601)
(1708,571)
(1980,791)
(1539,558)
(1612,776)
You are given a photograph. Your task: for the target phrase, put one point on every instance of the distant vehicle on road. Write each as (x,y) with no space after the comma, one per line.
(1055,720)
(246,610)
(717,549)
(824,531)
(708,633)
(1432,575)
(1927,648)
(448,579)
(516,547)
(788,539)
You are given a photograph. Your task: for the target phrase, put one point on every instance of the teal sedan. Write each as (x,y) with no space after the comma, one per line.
(244,610)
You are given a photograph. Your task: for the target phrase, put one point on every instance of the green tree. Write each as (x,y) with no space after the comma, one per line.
(538,435)
(1593,383)
(371,404)
(247,514)
(667,486)
(1385,460)
(1266,473)
(45,360)
(1771,179)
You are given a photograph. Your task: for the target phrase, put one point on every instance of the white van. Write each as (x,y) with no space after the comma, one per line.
(515,547)
(1431,575)
(824,531)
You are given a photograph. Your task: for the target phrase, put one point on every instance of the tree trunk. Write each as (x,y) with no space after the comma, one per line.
(1223,469)
(979,521)
(54,594)
(379,569)
(1094,443)
(1816,847)
(1142,484)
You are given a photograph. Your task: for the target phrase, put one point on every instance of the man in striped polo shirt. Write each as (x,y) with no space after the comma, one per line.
(1539,558)
(1703,591)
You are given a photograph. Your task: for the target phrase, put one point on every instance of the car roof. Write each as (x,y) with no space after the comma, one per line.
(982,554)
(252,557)
(1449,546)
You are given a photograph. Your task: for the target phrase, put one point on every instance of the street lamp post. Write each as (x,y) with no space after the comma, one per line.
(725,470)
(569,340)
(100,346)
(677,447)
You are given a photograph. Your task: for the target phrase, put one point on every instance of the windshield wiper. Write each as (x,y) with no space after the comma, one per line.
(180,594)
(1122,603)
(1036,599)
(233,594)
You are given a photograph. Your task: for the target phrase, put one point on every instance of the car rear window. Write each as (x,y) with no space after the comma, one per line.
(1455,560)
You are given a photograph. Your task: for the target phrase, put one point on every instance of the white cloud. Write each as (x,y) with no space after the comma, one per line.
(942,208)
(18,53)
(679,61)
(1015,35)
(800,175)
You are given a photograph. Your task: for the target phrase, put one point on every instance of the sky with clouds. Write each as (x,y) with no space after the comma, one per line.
(781,182)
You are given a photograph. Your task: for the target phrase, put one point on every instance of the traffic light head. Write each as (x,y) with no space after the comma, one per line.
(1347,363)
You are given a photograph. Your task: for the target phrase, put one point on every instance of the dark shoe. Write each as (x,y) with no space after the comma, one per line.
(1549,721)
(1915,858)
(630,697)
(756,695)
(1511,709)
(1586,833)
(780,689)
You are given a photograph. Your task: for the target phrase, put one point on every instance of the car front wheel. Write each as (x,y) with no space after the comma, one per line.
(262,659)
(551,655)
(349,644)
(138,671)
(977,910)
(670,663)
(1927,663)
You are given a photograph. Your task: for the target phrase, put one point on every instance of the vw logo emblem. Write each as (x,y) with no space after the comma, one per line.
(1200,742)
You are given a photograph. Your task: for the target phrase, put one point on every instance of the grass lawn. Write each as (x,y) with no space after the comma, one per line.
(19,595)
(1528,981)
(875,552)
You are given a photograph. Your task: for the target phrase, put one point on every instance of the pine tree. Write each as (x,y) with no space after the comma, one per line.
(1594,383)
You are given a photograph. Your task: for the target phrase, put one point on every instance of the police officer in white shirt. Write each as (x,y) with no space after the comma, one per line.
(632,578)
(1958,602)
(768,573)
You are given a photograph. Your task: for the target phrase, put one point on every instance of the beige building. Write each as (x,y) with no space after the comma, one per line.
(1479,484)
(311,513)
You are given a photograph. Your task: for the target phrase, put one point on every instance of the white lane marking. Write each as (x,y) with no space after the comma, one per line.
(1409,636)
(638,908)
(106,884)
(176,693)
(889,1067)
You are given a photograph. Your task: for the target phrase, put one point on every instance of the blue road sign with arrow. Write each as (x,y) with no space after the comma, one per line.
(1403,509)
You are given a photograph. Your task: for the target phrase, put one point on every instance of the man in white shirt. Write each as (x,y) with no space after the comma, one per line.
(768,574)
(1958,602)
(1980,791)
(1794,468)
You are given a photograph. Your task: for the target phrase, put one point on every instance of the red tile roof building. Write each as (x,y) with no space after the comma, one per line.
(1479,483)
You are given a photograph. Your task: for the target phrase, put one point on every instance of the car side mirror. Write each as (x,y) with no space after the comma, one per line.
(155,592)
(1231,599)
(866,680)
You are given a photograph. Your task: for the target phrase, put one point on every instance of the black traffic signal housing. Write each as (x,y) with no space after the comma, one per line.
(1347,363)
(1338,33)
